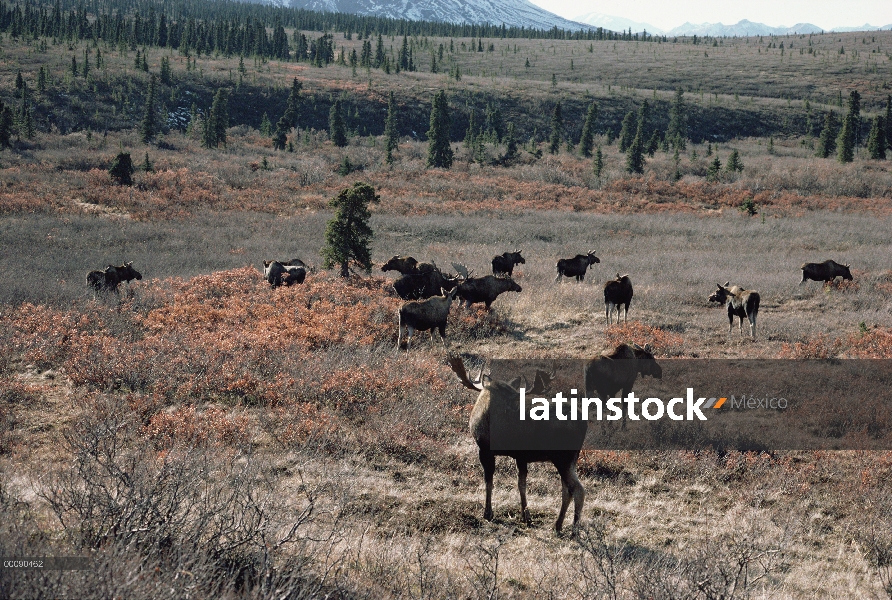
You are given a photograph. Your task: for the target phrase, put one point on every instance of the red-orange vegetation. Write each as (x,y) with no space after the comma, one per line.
(874,343)
(664,343)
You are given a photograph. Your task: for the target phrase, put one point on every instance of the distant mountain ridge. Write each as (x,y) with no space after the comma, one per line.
(596,19)
(741,29)
(513,13)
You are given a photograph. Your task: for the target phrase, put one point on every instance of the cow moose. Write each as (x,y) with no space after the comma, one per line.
(613,373)
(407,265)
(618,292)
(505,262)
(825,271)
(741,304)
(284,272)
(485,289)
(423,315)
(576,266)
(418,286)
(108,279)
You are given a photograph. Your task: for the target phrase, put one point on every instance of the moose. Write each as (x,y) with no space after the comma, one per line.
(576,266)
(825,271)
(108,279)
(418,286)
(485,289)
(498,402)
(423,315)
(504,263)
(618,292)
(407,265)
(284,272)
(613,373)
(741,303)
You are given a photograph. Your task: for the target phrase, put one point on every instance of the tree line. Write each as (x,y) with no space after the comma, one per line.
(229,28)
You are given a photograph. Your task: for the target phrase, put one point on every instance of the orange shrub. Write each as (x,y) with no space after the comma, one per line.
(875,343)
(664,343)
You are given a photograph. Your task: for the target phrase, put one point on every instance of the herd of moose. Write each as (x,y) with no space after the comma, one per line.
(429,295)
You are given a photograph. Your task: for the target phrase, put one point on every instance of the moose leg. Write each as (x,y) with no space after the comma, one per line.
(442,336)
(522,488)
(488,462)
(752,326)
(409,331)
(570,486)
(626,313)
(607,307)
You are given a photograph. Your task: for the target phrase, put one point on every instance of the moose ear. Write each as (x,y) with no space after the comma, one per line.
(727,283)
(648,349)
(128,264)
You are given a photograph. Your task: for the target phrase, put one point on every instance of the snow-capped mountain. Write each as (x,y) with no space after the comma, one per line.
(743,28)
(518,13)
(612,23)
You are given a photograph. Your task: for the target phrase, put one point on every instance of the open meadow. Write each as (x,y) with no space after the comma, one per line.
(207,435)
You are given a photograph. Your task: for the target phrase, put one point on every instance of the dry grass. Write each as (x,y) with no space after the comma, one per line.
(210,436)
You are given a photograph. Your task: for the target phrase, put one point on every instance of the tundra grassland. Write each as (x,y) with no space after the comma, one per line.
(205,435)
(353,461)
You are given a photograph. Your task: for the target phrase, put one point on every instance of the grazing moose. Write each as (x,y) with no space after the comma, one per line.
(407,265)
(825,271)
(485,289)
(108,279)
(421,315)
(284,273)
(613,374)
(418,286)
(741,303)
(504,263)
(618,292)
(576,266)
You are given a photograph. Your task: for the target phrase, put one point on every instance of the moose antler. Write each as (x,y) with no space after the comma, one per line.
(458,367)
(462,270)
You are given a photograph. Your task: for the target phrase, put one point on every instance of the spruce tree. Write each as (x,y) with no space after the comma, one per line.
(598,164)
(715,168)
(217,121)
(827,140)
(642,129)
(510,144)
(390,129)
(887,119)
(147,128)
(588,131)
(678,129)
(348,235)
(121,169)
(290,118)
(627,131)
(41,80)
(265,126)
(635,156)
(854,105)
(845,143)
(557,129)
(734,165)
(5,126)
(876,141)
(439,153)
(336,129)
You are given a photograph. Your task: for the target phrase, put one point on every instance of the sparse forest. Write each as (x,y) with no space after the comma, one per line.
(202,433)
